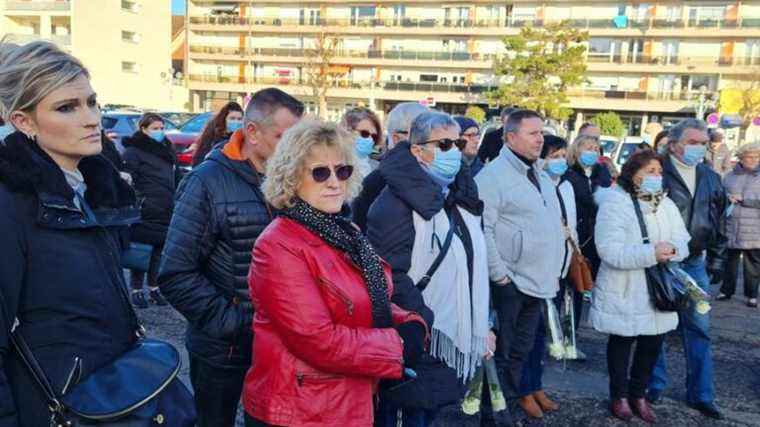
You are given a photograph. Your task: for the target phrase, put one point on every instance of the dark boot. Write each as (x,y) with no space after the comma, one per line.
(621,409)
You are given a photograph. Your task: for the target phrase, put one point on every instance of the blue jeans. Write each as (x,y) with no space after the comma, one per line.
(695,333)
(533,369)
(387,416)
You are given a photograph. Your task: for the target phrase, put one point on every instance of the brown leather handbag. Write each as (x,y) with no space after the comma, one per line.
(579,272)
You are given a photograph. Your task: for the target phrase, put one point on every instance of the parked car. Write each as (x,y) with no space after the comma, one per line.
(118,124)
(178,118)
(184,137)
(625,149)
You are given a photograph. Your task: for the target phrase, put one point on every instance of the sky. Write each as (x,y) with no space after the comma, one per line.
(178,7)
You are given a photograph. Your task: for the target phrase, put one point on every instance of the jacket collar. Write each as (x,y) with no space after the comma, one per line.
(241,167)
(145,143)
(669,169)
(25,168)
(409,182)
(509,156)
(464,192)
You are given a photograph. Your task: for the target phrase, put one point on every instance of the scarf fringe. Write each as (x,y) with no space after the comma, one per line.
(442,347)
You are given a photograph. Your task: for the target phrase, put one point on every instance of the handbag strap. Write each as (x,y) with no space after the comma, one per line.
(425,280)
(33,366)
(640,217)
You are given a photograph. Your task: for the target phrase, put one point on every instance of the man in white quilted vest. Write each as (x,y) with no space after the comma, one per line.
(524,238)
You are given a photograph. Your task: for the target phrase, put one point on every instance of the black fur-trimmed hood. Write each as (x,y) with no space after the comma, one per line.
(25,168)
(145,143)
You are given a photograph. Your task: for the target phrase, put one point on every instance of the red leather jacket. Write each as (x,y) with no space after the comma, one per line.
(316,358)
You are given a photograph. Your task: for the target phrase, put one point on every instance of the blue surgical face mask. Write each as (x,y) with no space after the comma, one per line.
(662,149)
(445,166)
(364,146)
(556,167)
(693,154)
(156,135)
(233,125)
(588,158)
(651,184)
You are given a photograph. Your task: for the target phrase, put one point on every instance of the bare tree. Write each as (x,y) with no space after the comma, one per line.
(320,72)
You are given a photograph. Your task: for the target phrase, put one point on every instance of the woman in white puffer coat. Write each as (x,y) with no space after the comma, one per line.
(621,304)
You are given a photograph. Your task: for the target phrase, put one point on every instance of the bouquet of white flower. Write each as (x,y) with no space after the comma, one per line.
(686,285)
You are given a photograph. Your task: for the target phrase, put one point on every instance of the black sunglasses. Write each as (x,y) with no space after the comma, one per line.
(445,144)
(323,173)
(367,134)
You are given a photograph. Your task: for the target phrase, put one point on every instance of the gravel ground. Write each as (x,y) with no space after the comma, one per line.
(581,388)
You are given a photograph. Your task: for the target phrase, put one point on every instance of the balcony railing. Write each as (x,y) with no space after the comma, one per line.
(27,38)
(475,89)
(609,23)
(665,60)
(53,5)
(348,53)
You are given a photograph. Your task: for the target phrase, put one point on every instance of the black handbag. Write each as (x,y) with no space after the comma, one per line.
(139,389)
(662,283)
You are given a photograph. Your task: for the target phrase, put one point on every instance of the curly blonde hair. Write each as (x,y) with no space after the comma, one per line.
(285,167)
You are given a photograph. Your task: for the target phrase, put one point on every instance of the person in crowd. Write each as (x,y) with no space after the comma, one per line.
(469,130)
(533,399)
(326,329)
(718,156)
(661,143)
(218,214)
(525,240)
(63,211)
(428,192)
(621,305)
(365,124)
(399,121)
(150,160)
(494,141)
(642,146)
(699,194)
(743,224)
(590,130)
(218,130)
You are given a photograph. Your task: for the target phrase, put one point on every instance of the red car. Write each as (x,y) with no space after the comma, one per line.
(186,136)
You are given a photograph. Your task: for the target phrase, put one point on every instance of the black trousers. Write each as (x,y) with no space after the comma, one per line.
(518,316)
(644,358)
(751,266)
(136,278)
(217,392)
(253,422)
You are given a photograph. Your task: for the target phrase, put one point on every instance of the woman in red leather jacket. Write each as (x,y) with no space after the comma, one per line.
(325,329)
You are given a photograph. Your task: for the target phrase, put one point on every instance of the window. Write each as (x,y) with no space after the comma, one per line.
(129,67)
(697,81)
(603,48)
(129,5)
(130,36)
(428,77)
(752,47)
(635,50)
(670,51)
(362,14)
(706,16)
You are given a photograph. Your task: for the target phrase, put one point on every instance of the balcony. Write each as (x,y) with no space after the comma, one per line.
(357,57)
(38,6)
(671,64)
(63,40)
(469,25)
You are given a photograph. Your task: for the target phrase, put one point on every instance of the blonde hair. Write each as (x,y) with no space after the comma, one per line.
(285,167)
(747,148)
(574,149)
(30,72)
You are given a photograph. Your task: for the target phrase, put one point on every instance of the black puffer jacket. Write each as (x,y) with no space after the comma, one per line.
(218,214)
(584,188)
(390,229)
(491,146)
(60,273)
(703,212)
(155,176)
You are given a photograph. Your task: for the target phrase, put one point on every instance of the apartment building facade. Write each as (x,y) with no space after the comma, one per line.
(647,60)
(125,44)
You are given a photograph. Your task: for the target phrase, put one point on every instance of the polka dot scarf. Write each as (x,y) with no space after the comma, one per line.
(344,236)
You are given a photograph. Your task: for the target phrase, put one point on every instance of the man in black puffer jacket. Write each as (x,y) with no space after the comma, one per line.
(218,214)
(697,191)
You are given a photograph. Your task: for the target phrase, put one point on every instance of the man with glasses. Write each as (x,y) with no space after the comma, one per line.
(523,230)
(219,213)
(697,191)
(591,130)
(469,130)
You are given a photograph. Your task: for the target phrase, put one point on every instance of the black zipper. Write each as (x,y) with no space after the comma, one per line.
(338,293)
(300,377)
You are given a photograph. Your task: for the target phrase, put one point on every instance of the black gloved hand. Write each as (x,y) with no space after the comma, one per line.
(413,334)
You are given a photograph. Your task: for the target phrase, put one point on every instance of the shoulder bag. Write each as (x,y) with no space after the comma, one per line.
(661,282)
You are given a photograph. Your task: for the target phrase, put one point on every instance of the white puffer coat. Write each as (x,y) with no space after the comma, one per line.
(621,304)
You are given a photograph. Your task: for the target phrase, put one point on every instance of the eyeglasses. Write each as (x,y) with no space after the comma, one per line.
(471,134)
(323,173)
(445,144)
(367,134)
